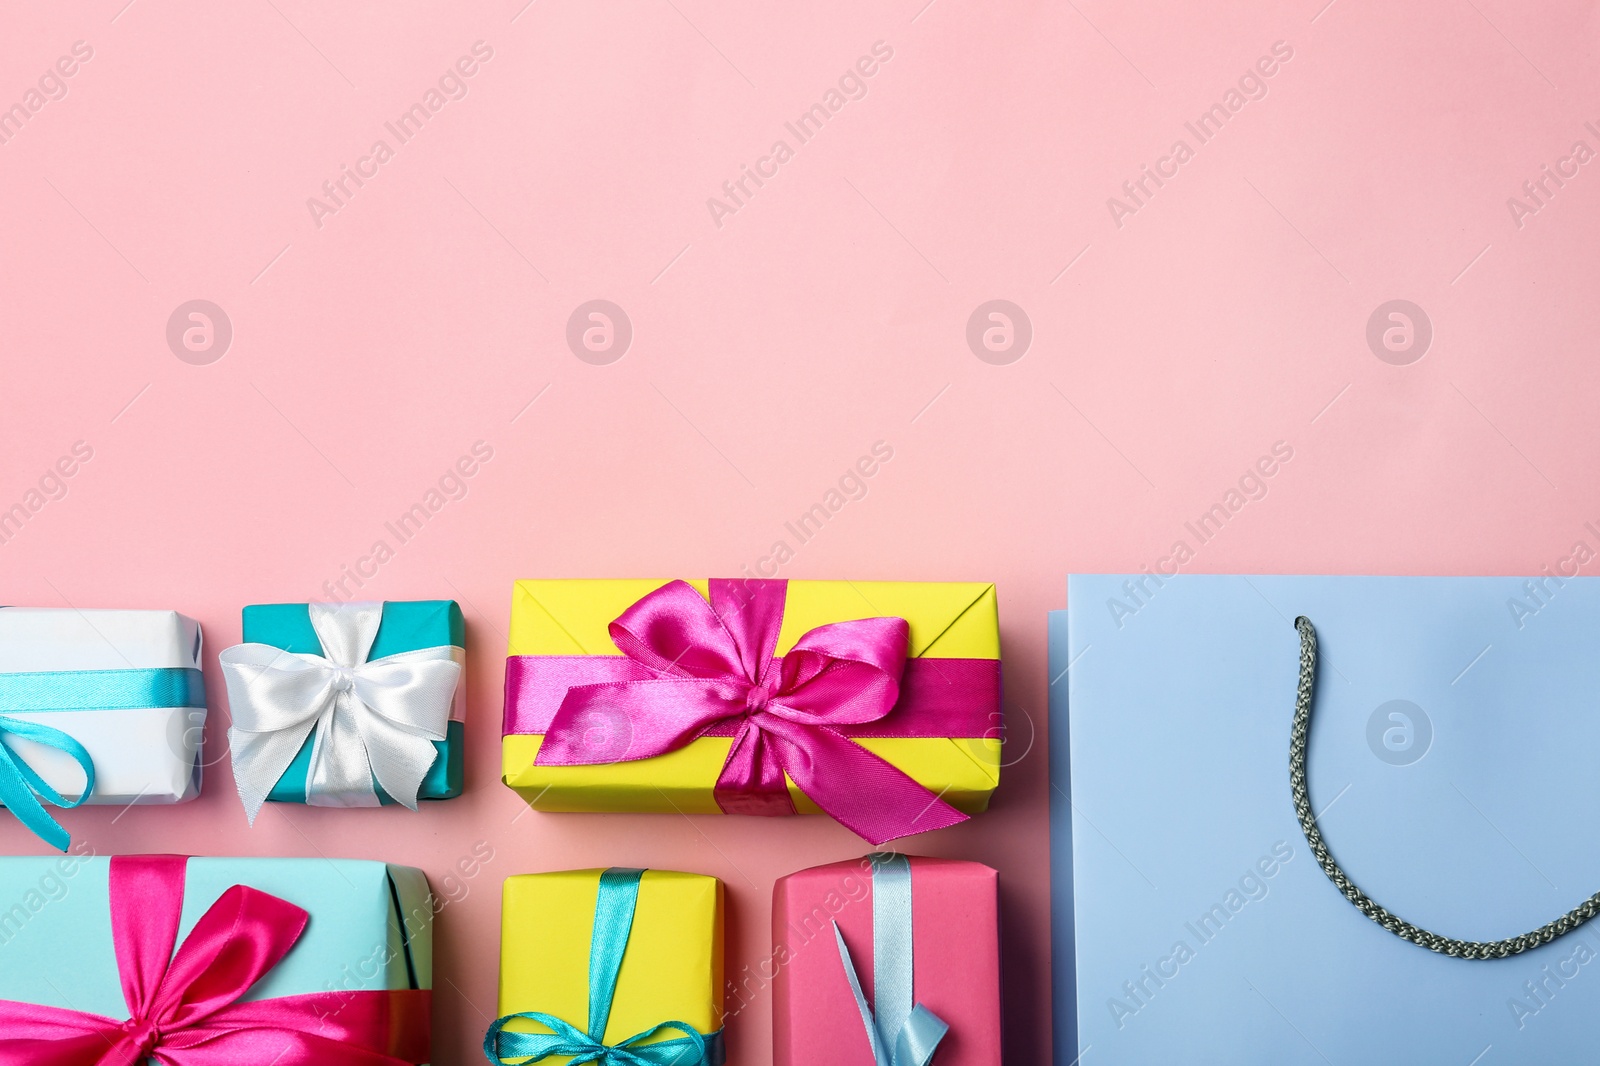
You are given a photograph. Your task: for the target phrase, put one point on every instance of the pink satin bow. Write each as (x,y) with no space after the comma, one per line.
(713,673)
(184,1009)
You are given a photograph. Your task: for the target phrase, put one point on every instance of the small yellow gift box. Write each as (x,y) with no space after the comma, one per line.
(606,958)
(578,647)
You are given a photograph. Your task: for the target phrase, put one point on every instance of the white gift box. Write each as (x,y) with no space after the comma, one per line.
(141,755)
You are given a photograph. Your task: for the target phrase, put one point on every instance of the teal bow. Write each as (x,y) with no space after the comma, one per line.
(21,787)
(613,924)
(74,690)
(901,1033)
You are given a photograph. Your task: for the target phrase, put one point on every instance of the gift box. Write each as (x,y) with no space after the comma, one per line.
(877,702)
(884,958)
(591,959)
(1449,722)
(391,676)
(111,697)
(313,960)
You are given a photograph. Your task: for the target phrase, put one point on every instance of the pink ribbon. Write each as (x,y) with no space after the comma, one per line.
(694,669)
(184,1009)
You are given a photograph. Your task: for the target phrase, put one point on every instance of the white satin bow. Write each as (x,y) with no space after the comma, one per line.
(372,719)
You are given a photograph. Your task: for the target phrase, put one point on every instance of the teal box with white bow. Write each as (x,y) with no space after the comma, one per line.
(348,704)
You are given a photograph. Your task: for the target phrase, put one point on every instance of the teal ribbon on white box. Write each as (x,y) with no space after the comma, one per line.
(21,787)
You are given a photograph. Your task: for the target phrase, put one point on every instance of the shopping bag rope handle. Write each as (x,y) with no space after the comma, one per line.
(1461,949)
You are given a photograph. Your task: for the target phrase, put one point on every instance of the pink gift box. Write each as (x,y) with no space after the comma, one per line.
(956,955)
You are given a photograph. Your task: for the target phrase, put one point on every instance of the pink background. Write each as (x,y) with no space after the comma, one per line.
(1229,312)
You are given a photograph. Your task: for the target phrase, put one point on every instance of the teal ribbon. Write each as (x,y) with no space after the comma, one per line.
(901,1032)
(102,690)
(613,924)
(21,788)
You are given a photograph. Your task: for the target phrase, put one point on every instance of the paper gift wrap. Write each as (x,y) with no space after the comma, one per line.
(333,955)
(1452,738)
(561,933)
(403,627)
(126,685)
(922,938)
(943,733)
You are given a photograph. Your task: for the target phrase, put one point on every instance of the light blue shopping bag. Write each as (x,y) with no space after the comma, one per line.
(1454,773)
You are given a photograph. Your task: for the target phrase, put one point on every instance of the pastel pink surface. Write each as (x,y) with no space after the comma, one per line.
(955,930)
(772,347)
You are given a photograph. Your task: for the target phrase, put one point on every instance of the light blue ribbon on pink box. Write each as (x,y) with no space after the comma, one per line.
(901,1031)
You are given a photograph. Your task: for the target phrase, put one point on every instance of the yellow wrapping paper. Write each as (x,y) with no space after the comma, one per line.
(672,970)
(950,620)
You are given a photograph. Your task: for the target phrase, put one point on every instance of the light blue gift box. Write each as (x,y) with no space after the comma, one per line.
(371,927)
(1452,756)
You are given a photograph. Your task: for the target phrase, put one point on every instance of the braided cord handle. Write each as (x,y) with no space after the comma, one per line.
(1460,949)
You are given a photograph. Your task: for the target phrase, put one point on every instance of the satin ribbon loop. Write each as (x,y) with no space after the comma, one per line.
(613,925)
(184,1008)
(46,691)
(900,1031)
(712,664)
(21,787)
(368,719)
(691,1049)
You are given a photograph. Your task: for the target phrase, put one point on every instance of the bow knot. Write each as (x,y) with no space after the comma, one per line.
(366,718)
(617,897)
(344,679)
(143,1035)
(713,671)
(757,698)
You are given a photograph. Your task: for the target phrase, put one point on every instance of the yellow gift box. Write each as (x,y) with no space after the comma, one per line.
(671,970)
(948,620)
